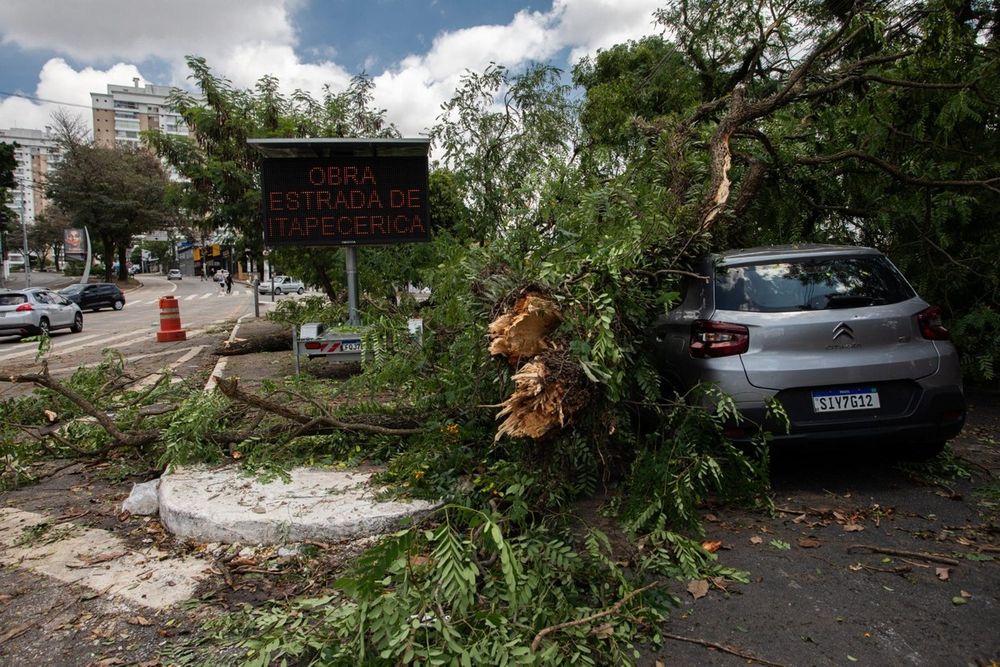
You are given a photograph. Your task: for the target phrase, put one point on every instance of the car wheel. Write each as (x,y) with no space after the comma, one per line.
(118,304)
(277,290)
(299,291)
(43,326)
(921,451)
(77,323)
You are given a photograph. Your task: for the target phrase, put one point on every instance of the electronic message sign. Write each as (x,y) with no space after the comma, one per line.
(344,199)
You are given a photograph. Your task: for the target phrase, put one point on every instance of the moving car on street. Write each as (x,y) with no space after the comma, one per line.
(94,296)
(834,333)
(282,285)
(174,274)
(34,311)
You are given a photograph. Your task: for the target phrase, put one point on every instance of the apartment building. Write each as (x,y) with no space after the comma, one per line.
(37,155)
(125,111)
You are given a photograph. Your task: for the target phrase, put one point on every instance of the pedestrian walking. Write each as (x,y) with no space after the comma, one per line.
(229,283)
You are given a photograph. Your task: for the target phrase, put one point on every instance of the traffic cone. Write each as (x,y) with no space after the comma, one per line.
(170,321)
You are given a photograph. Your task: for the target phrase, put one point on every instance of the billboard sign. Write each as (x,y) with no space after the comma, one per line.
(344,199)
(74,244)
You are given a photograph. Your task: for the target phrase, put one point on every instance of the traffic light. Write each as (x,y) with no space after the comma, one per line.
(3,221)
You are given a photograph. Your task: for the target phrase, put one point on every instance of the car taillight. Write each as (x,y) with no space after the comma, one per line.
(24,308)
(930,324)
(718,339)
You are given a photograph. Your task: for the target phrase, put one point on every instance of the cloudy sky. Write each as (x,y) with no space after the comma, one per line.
(62,50)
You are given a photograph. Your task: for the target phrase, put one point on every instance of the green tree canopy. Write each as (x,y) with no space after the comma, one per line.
(115,192)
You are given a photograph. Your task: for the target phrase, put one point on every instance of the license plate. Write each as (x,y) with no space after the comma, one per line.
(350,346)
(839,400)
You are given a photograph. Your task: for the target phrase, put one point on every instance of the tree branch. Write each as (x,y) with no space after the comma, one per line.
(120,437)
(898,173)
(587,619)
(230,389)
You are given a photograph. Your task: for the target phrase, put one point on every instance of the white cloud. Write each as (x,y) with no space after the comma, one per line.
(247,63)
(104,30)
(588,25)
(59,82)
(243,40)
(414,91)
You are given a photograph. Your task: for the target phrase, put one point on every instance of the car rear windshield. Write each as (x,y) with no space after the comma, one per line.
(810,284)
(12,299)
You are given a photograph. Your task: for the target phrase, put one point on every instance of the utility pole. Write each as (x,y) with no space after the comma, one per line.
(24,231)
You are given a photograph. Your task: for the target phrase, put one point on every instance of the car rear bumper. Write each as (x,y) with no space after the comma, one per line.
(931,414)
(11,328)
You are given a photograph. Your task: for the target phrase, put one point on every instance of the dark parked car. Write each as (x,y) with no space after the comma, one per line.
(835,333)
(95,296)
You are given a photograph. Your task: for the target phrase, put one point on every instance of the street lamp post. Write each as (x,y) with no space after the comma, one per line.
(24,231)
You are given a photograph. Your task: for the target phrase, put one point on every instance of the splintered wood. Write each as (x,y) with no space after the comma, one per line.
(546,389)
(535,407)
(520,334)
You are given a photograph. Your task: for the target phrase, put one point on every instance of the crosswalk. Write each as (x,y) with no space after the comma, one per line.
(192,297)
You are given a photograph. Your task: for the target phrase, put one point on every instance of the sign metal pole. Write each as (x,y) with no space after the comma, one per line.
(351,256)
(85,278)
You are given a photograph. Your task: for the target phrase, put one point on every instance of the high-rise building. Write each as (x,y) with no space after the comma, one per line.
(37,154)
(125,111)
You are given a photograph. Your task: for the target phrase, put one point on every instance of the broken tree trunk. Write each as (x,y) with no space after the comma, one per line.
(520,334)
(271,342)
(550,387)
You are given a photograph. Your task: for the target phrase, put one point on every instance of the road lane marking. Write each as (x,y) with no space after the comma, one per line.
(131,360)
(152,379)
(21,352)
(72,346)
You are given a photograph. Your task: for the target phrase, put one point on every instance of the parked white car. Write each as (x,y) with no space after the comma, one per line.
(282,285)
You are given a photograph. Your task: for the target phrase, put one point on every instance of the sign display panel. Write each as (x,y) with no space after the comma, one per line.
(344,200)
(74,244)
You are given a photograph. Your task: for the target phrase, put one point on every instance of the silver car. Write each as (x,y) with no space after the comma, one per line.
(282,285)
(834,333)
(37,310)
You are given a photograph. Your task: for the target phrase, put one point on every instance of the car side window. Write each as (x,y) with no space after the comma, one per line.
(42,297)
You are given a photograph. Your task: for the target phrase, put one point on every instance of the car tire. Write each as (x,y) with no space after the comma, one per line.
(77,323)
(299,291)
(277,290)
(118,304)
(43,326)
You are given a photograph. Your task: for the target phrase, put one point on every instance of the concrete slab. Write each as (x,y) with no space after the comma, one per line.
(97,559)
(222,505)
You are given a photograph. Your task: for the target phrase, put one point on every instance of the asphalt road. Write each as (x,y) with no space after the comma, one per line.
(203,307)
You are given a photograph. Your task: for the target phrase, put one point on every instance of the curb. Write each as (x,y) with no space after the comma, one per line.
(220,365)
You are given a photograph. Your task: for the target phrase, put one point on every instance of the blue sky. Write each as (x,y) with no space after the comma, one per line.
(415,50)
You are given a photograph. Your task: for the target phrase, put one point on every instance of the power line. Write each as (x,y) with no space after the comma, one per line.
(42,99)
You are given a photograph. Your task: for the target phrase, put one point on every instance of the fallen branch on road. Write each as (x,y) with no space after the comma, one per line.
(721,647)
(934,558)
(121,438)
(231,390)
(593,617)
